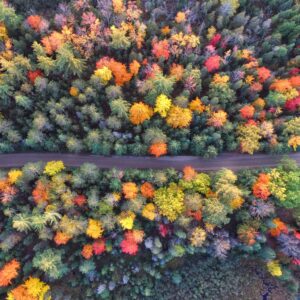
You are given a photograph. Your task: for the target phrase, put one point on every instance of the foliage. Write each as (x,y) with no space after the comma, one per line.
(95,76)
(69,224)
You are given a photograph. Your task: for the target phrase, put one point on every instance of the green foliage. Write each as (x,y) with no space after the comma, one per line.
(50,262)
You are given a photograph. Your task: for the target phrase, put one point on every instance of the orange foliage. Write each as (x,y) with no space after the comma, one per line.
(34,22)
(281,85)
(53,42)
(147,190)
(295,81)
(61,238)
(21,293)
(161,49)
(217,119)
(261,186)
(118,69)
(140,112)
(197,215)
(263,74)
(247,111)
(158,149)
(197,105)
(177,71)
(134,67)
(136,235)
(189,173)
(247,235)
(279,228)
(9,272)
(40,193)
(129,190)
(87,251)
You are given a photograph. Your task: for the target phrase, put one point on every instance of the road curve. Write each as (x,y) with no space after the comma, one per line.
(233,161)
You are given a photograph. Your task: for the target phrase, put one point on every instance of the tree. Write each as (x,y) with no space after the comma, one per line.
(170,201)
(67,63)
(248,137)
(179,117)
(140,112)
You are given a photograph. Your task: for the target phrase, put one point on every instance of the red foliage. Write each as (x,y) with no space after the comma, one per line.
(80,200)
(292,104)
(213,63)
(129,246)
(33,75)
(163,229)
(99,246)
(161,49)
(197,215)
(294,71)
(247,111)
(263,74)
(215,39)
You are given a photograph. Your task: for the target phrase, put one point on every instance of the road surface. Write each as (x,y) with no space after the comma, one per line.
(233,161)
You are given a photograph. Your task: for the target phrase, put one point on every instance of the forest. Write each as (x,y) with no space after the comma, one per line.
(150,77)
(103,231)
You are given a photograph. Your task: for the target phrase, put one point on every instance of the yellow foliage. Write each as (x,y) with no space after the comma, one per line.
(170,201)
(277,185)
(36,288)
(162,105)
(54,167)
(249,136)
(104,74)
(32,289)
(118,6)
(149,211)
(126,219)
(184,40)
(218,79)
(211,32)
(179,117)
(236,203)
(274,268)
(3,32)
(294,142)
(14,176)
(198,237)
(94,229)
